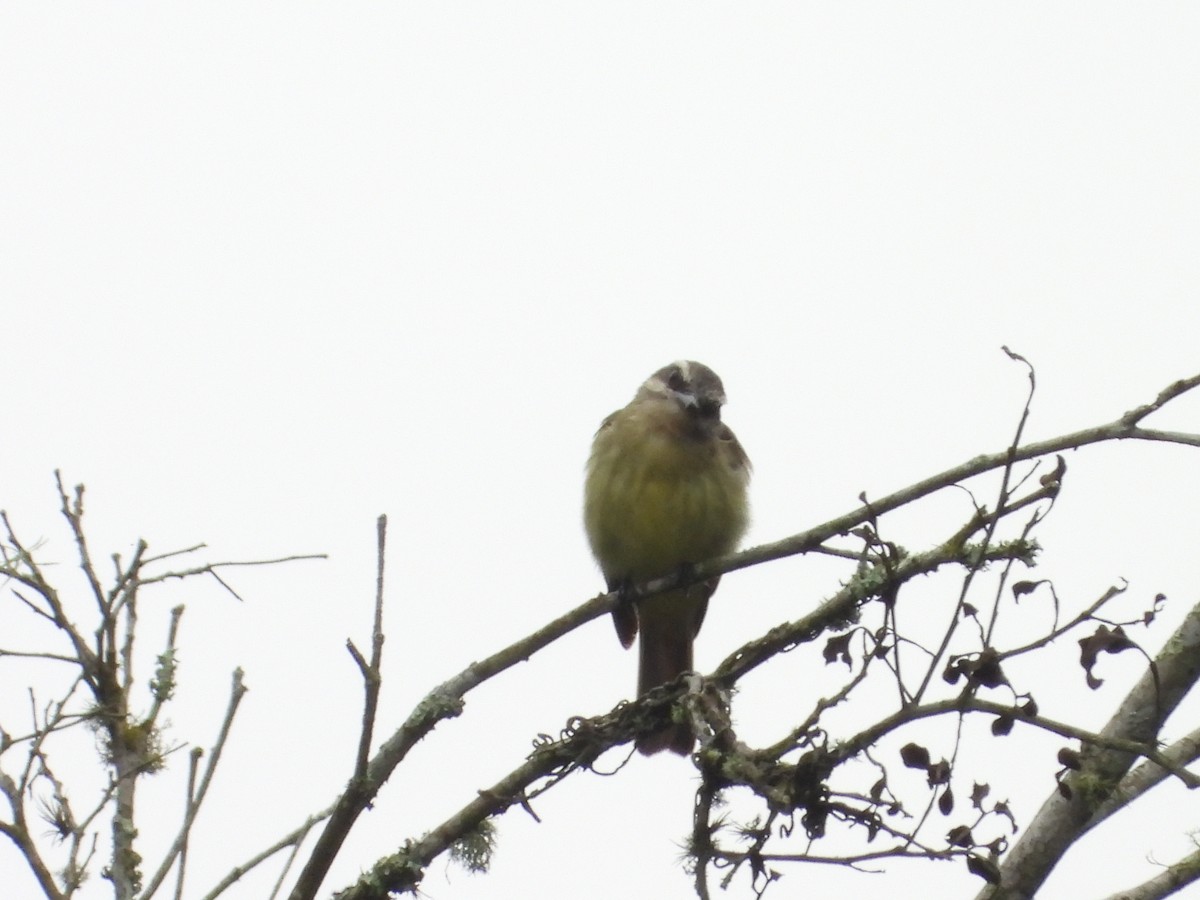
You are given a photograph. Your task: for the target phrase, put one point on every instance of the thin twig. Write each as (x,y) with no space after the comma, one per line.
(702,849)
(162,692)
(373,676)
(1124,428)
(360,791)
(74,515)
(210,568)
(237,691)
(172,553)
(189,803)
(1166,883)
(293,839)
(1182,752)
(125,586)
(35,581)
(993,522)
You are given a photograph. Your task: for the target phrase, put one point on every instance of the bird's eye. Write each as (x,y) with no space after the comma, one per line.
(676,381)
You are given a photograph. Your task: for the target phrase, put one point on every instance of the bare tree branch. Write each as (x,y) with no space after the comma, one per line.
(1140,717)
(1184,751)
(236,693)
(292,839)
(188,811)
(73,512)
(360,791)
(1172,878)
(210,568)
(372,675)
(18,833)
(1124,428)
(130,747)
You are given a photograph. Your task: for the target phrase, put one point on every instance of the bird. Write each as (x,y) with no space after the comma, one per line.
(666,488)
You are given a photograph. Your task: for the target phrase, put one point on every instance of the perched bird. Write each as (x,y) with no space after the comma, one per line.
(666,488)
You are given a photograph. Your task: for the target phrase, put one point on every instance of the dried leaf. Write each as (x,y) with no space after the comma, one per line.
(914,756)
(987,671)
(814,820)
(946,802)
(984,868)
(1102,640)
(939,773)
(1070,758)
(953,671)
(960,836)
(1001,808)
(978,794)
(1056,476)
(838,648)
(1021,588)
(1149,615)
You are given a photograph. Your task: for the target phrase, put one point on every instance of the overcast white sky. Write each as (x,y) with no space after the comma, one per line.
(267,271)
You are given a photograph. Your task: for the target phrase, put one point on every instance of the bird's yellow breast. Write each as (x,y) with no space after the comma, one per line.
(655,499)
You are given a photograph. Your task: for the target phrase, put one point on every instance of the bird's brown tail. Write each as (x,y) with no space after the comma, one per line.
(665,651)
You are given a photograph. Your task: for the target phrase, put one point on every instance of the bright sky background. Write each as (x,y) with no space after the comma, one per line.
(267,271)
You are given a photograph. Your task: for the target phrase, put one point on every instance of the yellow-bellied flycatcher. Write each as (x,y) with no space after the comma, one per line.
(666,487)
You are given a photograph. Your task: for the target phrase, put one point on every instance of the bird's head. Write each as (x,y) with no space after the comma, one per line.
(693,387)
